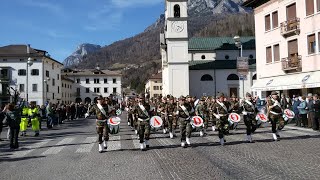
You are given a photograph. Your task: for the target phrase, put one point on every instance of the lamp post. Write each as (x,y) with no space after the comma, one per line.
(46,89)
(239,45)
(29,63)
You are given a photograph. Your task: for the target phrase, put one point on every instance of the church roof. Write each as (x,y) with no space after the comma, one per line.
(220,43)
(218,64)
(254,3)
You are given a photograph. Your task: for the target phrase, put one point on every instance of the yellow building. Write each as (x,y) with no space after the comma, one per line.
(154,85)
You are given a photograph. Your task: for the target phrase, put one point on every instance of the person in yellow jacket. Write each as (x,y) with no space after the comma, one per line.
(34,115)
(24,119)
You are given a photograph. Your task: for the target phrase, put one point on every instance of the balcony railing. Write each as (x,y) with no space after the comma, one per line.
(291,63)
(290,27)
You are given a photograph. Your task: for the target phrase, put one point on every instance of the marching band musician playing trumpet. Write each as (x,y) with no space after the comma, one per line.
(275,114)
(249,114)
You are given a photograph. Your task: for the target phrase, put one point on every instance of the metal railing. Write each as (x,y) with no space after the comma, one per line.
(291,63)
(290,27)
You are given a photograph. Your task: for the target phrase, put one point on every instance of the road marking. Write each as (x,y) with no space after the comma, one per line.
(60,145)
(30,148)
(114,143)
(135,142)
(87,145)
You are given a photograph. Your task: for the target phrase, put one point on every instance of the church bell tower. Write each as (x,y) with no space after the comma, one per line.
(174,49)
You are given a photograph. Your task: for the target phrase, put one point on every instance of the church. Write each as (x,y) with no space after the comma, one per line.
(202,66)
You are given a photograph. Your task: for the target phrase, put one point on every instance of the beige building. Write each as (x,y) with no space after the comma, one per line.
(154,85)
(287,46)
(66,90)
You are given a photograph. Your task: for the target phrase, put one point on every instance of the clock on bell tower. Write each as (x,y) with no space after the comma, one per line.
(175,75)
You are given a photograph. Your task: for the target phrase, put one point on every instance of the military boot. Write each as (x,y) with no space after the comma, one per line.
(100,148)
(147,143)
(188,141)
(274,135)
(105,146)
(171,135)
(221,141)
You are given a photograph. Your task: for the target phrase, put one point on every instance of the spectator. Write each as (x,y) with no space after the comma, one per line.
(303,112)
(43,114)
(310,109)
(13,116)
(316,108)
(283,102)
(73,111)
(50,115)
(295,104)
(2,116)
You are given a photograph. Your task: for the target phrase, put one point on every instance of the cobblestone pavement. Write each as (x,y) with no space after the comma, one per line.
(71,152)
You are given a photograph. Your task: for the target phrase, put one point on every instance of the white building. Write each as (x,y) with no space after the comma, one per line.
(30,81)
(154,85)
(90,83)
(201,66)
(288,46)
(66,90)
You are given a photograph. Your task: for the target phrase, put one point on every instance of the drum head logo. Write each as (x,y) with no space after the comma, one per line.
(114,121)
(156,122)
(262,117)
(197,121)
(234,117)
(289,114)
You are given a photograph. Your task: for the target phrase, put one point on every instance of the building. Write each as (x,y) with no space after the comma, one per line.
(154,85)
(66,90)
(31,72)
(201,66)
(90,83)
(288,46)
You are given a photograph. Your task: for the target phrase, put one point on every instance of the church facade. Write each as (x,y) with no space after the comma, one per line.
(201,66)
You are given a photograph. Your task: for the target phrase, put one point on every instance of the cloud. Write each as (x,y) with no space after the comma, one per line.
(134,3)
(43,4)
(111,14)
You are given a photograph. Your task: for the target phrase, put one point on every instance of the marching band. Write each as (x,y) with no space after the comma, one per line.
(145,115)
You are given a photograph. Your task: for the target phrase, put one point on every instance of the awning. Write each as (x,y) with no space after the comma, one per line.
(292,81)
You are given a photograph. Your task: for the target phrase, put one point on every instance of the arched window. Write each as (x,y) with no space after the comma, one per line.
(206,77)
(233,77)
(176,9)
(254,77)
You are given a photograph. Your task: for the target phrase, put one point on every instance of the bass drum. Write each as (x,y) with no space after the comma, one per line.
(114,125)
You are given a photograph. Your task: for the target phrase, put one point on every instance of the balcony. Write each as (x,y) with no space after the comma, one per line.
(290,27)
(291,64)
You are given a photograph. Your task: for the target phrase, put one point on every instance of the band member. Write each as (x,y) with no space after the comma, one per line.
(163,113)
(34,115)
(184,113)
(101,110)
(130,106)
(212,117)
(220,111)
(172,120)
(275,115)
(143,114)
(234,108)
(201,110)
(249,115)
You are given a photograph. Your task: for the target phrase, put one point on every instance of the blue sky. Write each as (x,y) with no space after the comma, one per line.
(59,26)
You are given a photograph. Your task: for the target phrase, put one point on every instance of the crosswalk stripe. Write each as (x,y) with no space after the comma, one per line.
(29,148)
(114,143)
(136,143)
(60,145)
(87,145)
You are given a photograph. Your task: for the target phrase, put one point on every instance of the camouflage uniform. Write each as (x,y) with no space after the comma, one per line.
(163,113)
(222,123)
(249,116)
(184,121)
(172,120)
(101,122)
(234,108)
(130,114)
(202,111)
(212,118)
(275,115)
(143,121)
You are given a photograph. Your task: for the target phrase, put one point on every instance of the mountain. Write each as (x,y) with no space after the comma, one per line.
(139,56)
(81,51)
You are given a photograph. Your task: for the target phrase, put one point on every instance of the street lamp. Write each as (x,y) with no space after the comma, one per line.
(46,88)
(237,42)
(29,63)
